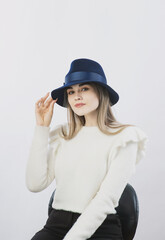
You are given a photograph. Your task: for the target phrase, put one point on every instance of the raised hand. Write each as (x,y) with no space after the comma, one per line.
(44,110)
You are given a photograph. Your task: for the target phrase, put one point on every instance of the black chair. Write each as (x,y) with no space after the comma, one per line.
(128,211)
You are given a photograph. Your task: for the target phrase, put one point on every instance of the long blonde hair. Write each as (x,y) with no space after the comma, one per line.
(105,117)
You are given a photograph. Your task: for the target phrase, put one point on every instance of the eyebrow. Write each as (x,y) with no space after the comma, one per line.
(81,84)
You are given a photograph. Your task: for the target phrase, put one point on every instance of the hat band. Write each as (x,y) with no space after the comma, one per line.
(75,76)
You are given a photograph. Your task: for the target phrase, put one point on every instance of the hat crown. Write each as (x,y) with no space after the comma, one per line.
(86,65)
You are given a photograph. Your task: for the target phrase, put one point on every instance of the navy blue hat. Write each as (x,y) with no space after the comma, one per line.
(84,70)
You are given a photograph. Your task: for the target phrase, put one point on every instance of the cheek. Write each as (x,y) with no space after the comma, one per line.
(70,99)
(93,97)
(93,101)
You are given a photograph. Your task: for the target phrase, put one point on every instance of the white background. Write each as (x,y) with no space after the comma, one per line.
(38,41)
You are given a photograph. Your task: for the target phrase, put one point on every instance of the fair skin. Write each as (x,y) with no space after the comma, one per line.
(44,110)
(87,95)
(76,94)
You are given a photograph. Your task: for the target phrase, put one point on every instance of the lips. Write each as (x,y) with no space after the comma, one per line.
(79,104)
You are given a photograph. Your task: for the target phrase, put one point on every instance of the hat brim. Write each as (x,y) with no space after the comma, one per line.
(59,92)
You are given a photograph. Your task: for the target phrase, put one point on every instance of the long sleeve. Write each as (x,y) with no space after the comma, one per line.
(41,159)
(122,161)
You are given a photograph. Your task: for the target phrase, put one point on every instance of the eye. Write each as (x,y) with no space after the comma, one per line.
(85,88)
(69,93)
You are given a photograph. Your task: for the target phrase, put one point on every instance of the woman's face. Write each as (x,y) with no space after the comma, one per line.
(83,93)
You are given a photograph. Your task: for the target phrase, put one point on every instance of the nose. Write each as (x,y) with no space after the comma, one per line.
(78,95)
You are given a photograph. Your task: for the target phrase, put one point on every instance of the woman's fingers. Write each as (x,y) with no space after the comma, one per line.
(41,100)
(44,110)
(50,101)
(53,101)
(44,98)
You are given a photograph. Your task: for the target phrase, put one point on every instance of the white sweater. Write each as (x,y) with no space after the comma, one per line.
(91,171)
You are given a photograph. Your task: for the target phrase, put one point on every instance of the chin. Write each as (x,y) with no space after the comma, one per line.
(79,114)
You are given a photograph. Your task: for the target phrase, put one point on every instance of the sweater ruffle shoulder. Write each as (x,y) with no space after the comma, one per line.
(132,134)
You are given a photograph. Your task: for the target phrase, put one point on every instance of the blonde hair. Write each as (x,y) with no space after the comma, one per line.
(105,117)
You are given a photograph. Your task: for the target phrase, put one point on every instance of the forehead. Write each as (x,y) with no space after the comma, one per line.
(78,85)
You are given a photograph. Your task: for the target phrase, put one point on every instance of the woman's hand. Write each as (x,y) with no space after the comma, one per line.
(44,110)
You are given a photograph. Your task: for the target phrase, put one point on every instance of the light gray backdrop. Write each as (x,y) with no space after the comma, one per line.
(38,41)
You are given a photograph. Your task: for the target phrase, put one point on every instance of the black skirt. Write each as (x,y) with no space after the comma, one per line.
(59,223)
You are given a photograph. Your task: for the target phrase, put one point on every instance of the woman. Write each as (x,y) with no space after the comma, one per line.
(92,157)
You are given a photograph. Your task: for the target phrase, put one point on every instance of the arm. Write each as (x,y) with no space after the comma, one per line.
(41,160)
(121,168)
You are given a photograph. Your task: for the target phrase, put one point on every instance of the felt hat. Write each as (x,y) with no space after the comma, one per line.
(84,70)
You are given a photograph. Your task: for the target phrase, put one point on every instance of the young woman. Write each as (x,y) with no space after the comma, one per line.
(91,157)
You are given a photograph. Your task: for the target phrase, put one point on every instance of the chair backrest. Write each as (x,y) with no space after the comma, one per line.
(127,210)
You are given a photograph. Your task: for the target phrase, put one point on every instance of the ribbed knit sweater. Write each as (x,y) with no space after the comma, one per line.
(90,171)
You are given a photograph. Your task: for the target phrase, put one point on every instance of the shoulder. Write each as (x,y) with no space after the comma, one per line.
(132,134)
(54,134)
